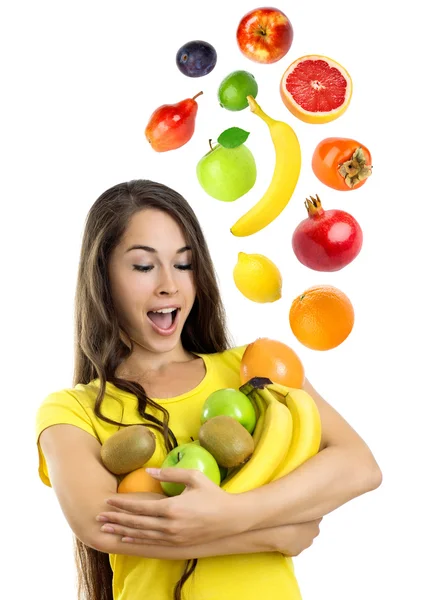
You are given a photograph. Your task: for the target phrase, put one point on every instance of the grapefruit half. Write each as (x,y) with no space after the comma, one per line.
(316,89)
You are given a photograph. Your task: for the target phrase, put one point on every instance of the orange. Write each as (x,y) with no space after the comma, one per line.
(272,359)
(139,481)
(316,89)
(322,317)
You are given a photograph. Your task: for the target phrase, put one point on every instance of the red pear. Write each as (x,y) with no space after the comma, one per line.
(172,125)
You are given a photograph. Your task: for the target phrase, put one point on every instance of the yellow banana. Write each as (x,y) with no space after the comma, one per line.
(275,439)
(260,408)
(306,436)
(258,430)
(285,176)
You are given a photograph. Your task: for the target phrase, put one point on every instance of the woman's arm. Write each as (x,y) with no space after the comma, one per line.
(290,540)
(343,469)
(248,542)
(80,480)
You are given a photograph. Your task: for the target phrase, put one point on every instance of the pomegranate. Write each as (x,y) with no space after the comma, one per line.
(327,240)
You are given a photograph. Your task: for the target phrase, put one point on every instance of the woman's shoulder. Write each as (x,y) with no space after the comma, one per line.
(80,393)
(231,356)
(76,405)
(79,400)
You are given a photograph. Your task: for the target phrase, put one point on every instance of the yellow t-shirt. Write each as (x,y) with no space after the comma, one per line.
(235,577)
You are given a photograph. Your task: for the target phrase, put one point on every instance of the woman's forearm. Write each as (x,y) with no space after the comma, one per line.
(248,542)
(326,481)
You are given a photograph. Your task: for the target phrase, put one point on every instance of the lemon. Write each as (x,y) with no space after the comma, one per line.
(257,278)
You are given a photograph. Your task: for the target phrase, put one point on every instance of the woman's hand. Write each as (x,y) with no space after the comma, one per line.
(203,512)
(291,540)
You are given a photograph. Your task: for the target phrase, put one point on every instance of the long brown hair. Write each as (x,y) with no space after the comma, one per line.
(99,348)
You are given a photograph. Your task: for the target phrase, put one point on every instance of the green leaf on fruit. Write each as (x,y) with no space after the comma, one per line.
(233,137)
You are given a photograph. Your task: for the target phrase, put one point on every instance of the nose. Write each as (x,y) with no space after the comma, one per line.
(167,284)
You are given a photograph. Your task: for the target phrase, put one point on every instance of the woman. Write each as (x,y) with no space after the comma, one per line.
(143,251)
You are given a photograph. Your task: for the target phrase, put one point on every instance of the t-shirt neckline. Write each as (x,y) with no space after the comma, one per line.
(201,385)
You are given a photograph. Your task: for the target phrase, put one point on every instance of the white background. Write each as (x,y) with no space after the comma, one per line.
(80,82)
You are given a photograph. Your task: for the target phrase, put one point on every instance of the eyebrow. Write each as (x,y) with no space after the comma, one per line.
(150,249)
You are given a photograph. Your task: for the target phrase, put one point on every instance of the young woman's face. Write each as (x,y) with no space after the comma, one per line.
(150,270)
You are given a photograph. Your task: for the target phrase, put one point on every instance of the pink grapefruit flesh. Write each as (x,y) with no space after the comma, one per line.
(316,89)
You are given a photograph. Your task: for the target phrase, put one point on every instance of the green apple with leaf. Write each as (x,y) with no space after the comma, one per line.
(228,170)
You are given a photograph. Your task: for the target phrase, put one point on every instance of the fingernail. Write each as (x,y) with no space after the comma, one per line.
(152,471)
(107,528)
(100,518)
(127,539)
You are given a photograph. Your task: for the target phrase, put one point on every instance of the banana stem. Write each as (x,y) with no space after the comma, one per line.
(255,108)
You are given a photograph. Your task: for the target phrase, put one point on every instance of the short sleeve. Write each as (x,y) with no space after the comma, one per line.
(239,351)
(60,408)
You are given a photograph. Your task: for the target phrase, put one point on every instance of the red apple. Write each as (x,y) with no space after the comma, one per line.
(264,35)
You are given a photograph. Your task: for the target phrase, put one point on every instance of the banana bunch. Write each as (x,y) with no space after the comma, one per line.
(306,438)
(288,432)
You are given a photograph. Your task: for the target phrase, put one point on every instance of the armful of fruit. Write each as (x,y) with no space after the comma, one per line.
(295,469)
(207,513)
(82,484)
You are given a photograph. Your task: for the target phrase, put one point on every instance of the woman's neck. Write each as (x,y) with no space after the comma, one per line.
(143,363)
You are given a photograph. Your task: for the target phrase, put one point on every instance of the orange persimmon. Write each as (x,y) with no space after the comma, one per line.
(342,163)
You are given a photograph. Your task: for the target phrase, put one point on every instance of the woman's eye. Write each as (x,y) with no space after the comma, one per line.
(145,268)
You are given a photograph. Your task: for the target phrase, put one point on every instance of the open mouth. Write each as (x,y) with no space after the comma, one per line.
(163,320)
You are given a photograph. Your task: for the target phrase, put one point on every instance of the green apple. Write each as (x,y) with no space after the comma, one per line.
(227,173)
(190,456)
(232,403)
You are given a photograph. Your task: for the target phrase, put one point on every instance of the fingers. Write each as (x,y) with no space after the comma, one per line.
(137,536)
(143,536)
(152,508)
(190,477)
(134,521)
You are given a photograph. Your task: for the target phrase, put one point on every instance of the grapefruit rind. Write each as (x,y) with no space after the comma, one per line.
(309,116)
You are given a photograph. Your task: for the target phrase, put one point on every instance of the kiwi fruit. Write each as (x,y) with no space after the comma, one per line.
(128,449)
(227,440)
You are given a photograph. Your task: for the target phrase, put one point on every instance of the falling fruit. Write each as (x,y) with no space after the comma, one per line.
(264,35)
(284,179)
(273,359)
(228,170)
(316,89)
(327,240)
(196,58)
(234,89)
(342,163)
(257,278)
(172,125)
(322,317)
